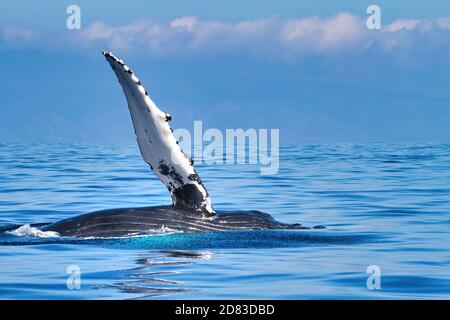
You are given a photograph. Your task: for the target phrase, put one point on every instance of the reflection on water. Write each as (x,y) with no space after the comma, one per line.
(148,278)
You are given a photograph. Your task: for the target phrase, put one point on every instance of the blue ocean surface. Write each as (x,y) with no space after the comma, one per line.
(385,206)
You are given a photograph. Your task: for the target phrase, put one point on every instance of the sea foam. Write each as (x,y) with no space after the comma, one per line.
(27,230)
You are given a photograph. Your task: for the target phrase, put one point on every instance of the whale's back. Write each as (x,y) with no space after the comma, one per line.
(130,221)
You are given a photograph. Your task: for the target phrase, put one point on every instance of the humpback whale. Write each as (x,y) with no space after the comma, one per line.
(191,209)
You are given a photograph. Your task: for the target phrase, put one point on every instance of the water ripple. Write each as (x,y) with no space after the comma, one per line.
(383,204)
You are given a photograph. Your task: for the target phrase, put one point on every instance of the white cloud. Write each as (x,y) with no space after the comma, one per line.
(340,34)
(143,34)
(184,23)
(444,22)
(342,31)
(16,34)
(186,33)
(402,24)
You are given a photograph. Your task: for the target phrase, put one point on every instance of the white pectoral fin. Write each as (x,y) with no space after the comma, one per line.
(157,144)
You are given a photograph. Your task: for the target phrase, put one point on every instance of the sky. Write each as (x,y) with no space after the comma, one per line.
(311,69)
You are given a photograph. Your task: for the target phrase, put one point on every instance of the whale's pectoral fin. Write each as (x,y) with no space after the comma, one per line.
(158,145)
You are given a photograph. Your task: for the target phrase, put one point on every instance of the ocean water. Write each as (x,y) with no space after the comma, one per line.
(384,205)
